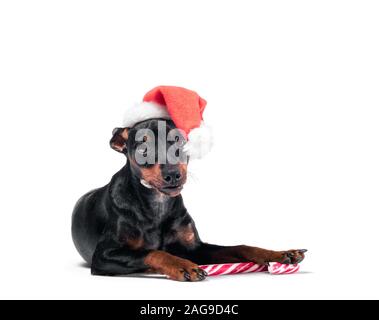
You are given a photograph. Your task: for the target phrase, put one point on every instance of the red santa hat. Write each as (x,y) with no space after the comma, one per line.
(184,107)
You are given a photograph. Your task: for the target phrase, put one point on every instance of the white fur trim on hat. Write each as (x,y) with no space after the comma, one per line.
(200,141)
(144,111)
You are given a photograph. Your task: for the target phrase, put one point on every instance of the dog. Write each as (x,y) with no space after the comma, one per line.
(138,222)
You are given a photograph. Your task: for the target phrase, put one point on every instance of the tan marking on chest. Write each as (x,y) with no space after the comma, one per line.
(186,234)
(135,243)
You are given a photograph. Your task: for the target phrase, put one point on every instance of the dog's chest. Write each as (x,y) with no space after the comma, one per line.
(153,239)
(159,209)
(150,233)
(155,233)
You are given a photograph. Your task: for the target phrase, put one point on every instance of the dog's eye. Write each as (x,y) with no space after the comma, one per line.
(179,142)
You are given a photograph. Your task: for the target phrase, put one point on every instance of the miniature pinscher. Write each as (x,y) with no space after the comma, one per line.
(138,222)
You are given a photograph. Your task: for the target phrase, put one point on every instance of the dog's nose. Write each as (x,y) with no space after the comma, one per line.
(172,176)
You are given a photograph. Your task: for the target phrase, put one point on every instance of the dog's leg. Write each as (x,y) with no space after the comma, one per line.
(174,267)
(110,259)
(187,244)
(209,254)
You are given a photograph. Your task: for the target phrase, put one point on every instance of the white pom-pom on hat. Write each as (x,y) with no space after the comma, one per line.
(200,141)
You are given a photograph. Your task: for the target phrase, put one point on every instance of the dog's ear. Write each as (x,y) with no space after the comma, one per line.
(119,139)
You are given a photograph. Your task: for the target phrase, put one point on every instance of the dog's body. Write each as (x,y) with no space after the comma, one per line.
(138,222)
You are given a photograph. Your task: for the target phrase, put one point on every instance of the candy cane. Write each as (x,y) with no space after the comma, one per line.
(249,267)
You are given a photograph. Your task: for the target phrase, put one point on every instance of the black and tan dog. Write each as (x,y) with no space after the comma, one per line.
(138,222)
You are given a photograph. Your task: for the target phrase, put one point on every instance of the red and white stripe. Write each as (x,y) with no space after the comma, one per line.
(278,268)
(248,267)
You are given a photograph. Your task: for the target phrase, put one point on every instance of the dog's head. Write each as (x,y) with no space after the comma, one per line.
(154,149)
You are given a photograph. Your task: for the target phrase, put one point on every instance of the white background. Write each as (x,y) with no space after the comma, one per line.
(292,88)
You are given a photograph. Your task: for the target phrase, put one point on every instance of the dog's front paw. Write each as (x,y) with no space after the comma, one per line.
(187,273)
(290,256)
(174,267)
